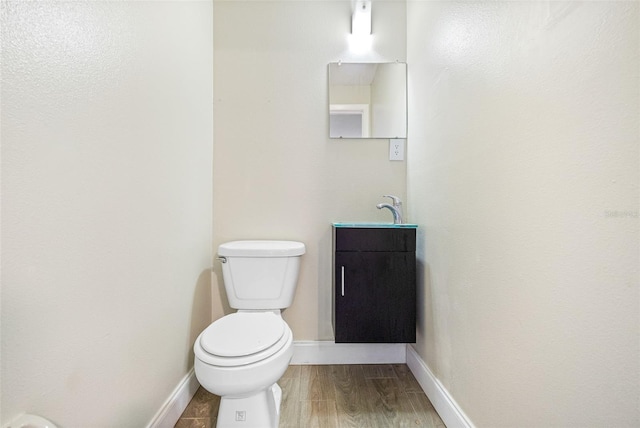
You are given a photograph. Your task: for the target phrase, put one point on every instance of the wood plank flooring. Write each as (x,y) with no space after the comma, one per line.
(337,396)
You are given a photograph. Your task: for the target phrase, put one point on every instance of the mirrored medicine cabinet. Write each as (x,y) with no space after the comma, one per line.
(368,100)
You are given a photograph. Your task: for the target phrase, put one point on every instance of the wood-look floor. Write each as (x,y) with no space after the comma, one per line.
(337,396)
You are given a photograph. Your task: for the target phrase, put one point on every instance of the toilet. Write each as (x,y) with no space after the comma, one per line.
(241,356)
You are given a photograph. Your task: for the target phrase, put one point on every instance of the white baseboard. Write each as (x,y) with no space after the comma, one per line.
(329,352)
(449,411)
(171,410)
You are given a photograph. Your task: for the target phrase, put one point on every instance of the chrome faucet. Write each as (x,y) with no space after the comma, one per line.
(396,208)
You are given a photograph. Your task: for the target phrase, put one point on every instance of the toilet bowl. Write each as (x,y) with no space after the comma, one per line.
(246,382)
(243,362)
(241,356)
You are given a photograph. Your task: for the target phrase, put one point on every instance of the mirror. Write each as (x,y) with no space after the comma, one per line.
(368,100)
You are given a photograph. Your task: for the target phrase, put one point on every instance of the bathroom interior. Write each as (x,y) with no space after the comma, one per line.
(138,136)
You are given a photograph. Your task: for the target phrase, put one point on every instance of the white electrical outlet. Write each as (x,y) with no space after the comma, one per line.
(396,149)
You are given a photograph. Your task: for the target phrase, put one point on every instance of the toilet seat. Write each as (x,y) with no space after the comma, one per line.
(242,338)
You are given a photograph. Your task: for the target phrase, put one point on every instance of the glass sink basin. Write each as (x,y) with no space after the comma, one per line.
(374,225)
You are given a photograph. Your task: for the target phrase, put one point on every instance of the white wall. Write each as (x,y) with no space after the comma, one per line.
(106,205)
(350,94)
(523,176)
(276,172)
(388,104)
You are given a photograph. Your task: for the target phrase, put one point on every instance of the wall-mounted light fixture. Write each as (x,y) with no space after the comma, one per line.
(361,18)
(360,39)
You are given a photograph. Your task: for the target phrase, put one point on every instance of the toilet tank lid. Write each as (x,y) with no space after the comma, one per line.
(261,248)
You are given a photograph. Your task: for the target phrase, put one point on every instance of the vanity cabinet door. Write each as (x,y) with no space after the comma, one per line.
(375,297)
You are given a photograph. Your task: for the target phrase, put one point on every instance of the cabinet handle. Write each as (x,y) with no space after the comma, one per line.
(342,281)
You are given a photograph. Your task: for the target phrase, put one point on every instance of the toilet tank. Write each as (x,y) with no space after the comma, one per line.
(260,274)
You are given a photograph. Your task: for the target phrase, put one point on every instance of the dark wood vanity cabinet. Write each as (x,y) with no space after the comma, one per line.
(374,285)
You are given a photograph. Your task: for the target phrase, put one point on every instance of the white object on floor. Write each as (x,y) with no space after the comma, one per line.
(30,421)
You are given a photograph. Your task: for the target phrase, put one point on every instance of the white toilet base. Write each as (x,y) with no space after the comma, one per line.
(261,410)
